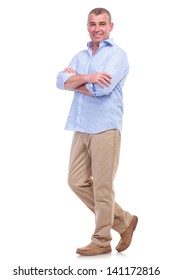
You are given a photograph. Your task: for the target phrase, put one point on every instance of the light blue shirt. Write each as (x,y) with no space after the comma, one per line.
(104,111)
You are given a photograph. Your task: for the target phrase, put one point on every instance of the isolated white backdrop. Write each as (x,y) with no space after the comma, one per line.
(42,222)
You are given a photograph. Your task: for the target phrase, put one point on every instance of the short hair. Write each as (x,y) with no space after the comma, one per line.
(99,11)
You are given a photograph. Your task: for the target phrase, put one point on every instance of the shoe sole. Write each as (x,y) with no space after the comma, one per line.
(93,253)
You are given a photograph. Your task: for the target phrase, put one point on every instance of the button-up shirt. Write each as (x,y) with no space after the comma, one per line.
(104,110)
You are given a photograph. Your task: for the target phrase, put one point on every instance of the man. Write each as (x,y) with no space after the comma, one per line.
(97,76)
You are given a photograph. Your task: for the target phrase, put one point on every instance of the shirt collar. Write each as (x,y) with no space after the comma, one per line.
(106,42)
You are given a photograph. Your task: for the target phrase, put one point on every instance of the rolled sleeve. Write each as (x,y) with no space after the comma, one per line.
(117,66)
(90,87)
(62,78)
(97,90)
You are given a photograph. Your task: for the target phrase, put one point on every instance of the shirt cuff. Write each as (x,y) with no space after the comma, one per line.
(62,78)
(90,87)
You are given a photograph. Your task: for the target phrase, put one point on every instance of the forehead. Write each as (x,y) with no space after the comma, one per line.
(98,18)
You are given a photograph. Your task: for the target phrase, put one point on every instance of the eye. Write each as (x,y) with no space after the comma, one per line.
(91,24)
(102,23)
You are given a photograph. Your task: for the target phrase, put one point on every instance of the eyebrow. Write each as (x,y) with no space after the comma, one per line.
(93,22)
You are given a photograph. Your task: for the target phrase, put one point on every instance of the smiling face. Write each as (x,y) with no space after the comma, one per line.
(99,27)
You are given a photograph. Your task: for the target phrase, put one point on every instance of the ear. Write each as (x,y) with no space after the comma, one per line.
(111,26)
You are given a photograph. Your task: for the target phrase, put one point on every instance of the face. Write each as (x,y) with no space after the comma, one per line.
(99,27)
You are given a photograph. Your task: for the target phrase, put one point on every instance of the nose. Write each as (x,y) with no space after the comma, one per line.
(97,28)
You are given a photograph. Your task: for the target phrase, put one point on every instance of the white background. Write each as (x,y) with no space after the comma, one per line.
(42,222)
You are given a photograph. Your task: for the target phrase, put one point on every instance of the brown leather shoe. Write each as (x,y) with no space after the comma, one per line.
(93,249)
(126,236)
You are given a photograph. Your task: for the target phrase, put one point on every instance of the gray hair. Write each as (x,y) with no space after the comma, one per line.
(99,11)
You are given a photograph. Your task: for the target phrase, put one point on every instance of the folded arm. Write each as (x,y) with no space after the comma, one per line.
(77,81)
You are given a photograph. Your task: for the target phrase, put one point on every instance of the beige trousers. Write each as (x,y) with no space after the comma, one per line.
(92,167)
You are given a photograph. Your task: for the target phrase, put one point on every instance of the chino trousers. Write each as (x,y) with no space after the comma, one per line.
(93,164)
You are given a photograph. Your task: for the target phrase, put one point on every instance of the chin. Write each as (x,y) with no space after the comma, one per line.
(98,40)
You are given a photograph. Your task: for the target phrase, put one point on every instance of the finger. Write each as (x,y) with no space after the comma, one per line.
(69,70)
(105,82)
(106,75)
(66,70)
(101,84)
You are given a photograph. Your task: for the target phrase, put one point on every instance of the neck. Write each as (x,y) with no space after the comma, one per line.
(95,47)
